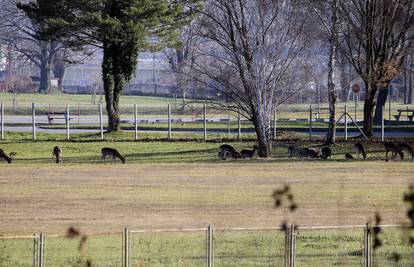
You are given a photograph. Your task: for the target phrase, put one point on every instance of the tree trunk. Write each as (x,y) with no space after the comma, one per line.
(262,133)
(44,76)
(332,95)
(59,72)
(381,100)
(112,106)
(369,105)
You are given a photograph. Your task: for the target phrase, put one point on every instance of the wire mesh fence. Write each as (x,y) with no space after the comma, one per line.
(294,246)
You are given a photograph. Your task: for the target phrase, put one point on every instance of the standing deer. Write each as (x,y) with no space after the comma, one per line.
(394,149)
(57,154)
(248,154)
(360,150)
(6,157)
(106,151)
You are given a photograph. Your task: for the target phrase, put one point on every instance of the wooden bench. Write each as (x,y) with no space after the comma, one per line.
(409,114)
(57,116)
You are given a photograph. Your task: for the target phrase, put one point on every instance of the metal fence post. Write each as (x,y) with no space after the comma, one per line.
(2,120)
(292,245)
(367,246)
(67,122)
(41,250)
(136,121)
(238,126)
(101,121)
(169,121)
(205,122)
(35,250)
(287,246)
(274,124)
(382,124)
(229,121)
(33,122)
(126,245)
(210,257)
(346,123)
(310,122)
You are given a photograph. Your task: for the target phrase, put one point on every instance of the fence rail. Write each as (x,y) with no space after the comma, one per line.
(273,246)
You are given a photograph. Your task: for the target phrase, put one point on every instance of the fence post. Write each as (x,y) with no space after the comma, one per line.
(310,122)
(382,124)
(210,256)
(287,246)
(2,120)
(169,121)
(229,121)
(126,244)
(101,121)
(238,126)
(33,122)
(367,246)
(274,124)
(136,121)
(346,123)
(292,245)
(205,122)
(35,250)
(41,250)
(67,122)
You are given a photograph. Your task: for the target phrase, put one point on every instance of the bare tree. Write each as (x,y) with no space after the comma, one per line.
(327,11)
(376,36)
(21,34)
(249,48)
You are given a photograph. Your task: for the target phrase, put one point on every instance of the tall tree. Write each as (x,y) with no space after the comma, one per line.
(327,12)
(376,37)
(121,28)
(248,49)
(22,35)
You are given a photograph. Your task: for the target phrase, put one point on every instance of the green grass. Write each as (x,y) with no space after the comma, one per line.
(231,248)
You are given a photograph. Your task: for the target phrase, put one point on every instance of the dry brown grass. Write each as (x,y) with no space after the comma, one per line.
(101,198)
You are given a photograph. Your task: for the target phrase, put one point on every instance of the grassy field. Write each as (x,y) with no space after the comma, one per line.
(183,184)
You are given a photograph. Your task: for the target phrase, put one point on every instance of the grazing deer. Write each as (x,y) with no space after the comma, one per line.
(227,151)
(106,151)
(57,154)
(406,147)
(394,150)
(248,154)
(8,158)
(360,150)
(301,152)
(349,156)
(326,152)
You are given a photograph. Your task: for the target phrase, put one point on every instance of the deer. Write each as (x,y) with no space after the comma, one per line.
(248,154)
(349,156)
(227,151)
(394,149)
(8,158)
(360,150)
(326,152)
(406,147)
(57,154)
(106,151)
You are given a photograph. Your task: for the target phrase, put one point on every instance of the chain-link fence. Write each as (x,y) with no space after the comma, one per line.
(293,246)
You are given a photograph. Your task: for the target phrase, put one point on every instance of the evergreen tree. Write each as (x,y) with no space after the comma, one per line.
(121,28)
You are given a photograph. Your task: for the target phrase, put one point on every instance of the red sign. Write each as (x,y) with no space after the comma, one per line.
(356,88)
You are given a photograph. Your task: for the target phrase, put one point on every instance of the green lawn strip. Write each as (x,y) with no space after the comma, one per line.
(342,247)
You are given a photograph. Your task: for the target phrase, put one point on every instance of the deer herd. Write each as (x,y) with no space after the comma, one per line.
(229,152)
